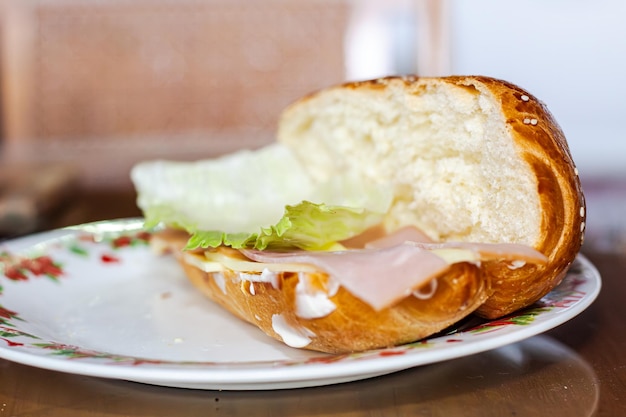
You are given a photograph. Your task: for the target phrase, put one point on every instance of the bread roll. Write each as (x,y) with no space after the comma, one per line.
(469,159)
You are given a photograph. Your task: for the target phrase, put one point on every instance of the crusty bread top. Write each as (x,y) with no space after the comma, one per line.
(469,159)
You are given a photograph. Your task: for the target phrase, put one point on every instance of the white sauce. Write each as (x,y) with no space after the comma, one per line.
(219,279)
(516,264)
(294,337)
(265,276)
(312,303)
(432,288)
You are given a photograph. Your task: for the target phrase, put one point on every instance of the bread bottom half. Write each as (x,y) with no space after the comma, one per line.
(353,325)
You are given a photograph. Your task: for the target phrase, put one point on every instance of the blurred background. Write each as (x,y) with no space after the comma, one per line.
(88,88)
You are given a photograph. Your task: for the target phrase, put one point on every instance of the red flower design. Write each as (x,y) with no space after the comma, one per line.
(144,236)
(7,314)
(87,237)
(109,258)
(138,361)
(11,343)
(15,269)
(392,352)
(122,241)
(326,359)
(12,272)
(128,240)
(70,351)
(42,265)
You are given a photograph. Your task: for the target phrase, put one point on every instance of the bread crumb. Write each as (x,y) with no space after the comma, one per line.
(446,151)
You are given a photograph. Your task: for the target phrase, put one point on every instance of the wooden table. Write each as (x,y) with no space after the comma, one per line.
(577,369)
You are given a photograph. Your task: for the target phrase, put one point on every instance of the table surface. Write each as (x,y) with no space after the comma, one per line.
(577,369)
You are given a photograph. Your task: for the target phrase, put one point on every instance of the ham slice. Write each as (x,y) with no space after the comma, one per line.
(405,234)
(391,267)
(491,251)
(486,251)
(378,277)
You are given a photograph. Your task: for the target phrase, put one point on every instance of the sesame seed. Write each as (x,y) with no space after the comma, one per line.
(526,121)
(525,97)
(576,171)
(582,226)
(582,211)
(533,122)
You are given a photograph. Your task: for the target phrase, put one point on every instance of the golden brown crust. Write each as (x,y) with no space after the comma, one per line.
(542,144)
(353,325)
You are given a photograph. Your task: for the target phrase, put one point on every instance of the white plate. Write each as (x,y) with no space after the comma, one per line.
(94,300)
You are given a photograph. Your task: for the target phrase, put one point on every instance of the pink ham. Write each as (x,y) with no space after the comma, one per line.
(405,234)
(491,251)
(392,267)
(378,277)
(486,251)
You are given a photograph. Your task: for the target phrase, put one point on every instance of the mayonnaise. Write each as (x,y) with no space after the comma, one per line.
(292,336)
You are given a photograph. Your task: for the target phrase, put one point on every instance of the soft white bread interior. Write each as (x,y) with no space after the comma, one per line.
(470,159)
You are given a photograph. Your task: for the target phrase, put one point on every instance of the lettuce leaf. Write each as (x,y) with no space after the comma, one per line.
(257,199)
(235,193)
(307,226)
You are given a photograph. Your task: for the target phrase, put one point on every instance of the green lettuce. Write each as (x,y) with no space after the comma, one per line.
(257,199)
(307,226)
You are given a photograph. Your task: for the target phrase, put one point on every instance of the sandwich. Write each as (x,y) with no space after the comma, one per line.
(385,211)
